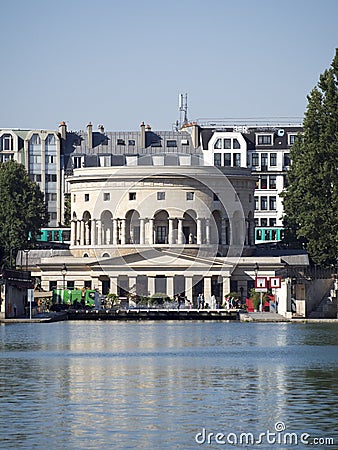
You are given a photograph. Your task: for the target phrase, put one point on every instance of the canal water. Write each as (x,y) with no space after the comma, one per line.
(167,385)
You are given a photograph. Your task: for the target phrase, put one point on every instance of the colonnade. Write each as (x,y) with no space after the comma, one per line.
(131,284)
(97,232)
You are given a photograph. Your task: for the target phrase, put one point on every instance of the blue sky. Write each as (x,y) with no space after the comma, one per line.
(122,62)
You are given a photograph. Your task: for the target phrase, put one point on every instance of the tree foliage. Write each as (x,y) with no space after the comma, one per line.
(22,210)
(311,200)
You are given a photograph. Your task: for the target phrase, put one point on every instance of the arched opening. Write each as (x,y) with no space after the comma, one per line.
(161,222)
(216,228)
(86,218)
(190,227)
(106,227)
(132,227)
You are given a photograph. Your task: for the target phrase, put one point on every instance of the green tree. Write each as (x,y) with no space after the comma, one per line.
(22,210)
(311,200)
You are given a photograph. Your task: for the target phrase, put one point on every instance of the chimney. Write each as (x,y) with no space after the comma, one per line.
(143,136)
(63,130)
(90,135)
(195,135)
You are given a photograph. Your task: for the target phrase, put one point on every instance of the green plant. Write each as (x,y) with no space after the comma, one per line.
(159,298)
(256,298)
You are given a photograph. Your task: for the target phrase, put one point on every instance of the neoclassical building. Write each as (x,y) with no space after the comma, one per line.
(168,224)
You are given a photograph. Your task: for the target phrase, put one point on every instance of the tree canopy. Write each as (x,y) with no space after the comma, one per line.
(22,210)
(311,200)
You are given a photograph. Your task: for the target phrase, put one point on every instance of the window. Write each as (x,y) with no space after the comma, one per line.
(227,159)
(286,159)
(236,144)
(50,178)
(256,222)
(50,139)
(38,178)
(120,142)
(216,198)
(161,196)
(256,199)
(190,196)
(7,142)
(217,159)
(272,182)
(218,144)
(184,141)
(35,139)
(264,222)
(86,197)
(264,161)
(292,138)
(171,143)
(264,182)
(264,203)
(131,142)
(237,160)
(161,235)
(273,159)
(132,195)
(156,143)
(52,215)
(255,159)
(106,196)
(77,162)
(272,203)
(264,139)
(272,222)
(227,143)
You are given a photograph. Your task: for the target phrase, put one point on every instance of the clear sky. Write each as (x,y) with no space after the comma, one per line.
(122,62)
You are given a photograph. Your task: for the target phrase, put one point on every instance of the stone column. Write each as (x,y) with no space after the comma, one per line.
(226,286)
(151,285)
(132,285)
(188,288)
(115,231)
(78,232)
(151,231)
(207,289)
(180,234)
(170,286)
(93,232)
(123,231)
(199,231)
(82,233)
(99,232)
(171,231)
(73,232)
(207,231)
(113,285)
(142,231)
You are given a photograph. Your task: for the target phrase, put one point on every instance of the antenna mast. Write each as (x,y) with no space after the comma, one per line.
(183,108)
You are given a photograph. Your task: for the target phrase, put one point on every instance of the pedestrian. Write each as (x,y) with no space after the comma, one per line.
(202,301)
(198,301)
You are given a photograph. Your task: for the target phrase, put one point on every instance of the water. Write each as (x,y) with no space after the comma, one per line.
(157,385)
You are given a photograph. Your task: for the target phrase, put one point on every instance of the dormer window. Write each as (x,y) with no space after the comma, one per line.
(120,142)
(218,144)
(264,139)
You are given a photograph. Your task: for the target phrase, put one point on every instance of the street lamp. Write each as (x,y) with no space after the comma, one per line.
(261,293)
(63,272)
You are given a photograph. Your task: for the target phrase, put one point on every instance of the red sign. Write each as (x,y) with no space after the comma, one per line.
(275,282)
(261,283)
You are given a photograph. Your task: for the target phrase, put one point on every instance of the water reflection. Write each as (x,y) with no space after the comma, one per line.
(155,385)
